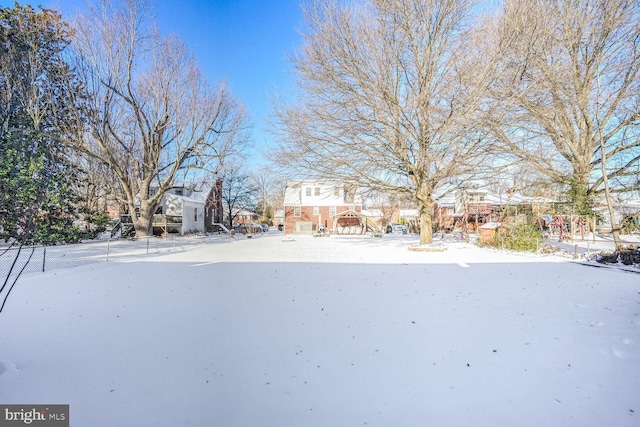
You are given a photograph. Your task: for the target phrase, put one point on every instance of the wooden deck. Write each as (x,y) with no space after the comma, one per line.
(165,223)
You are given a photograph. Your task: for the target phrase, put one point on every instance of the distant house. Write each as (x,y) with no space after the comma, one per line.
(333,205)
(444,212)
(476,207)
(278,217)
(182,211)
(245,217)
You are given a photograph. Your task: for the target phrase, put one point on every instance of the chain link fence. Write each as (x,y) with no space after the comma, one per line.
(46,258)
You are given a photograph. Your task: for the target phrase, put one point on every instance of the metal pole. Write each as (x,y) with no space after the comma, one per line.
(108,241)
(44,257)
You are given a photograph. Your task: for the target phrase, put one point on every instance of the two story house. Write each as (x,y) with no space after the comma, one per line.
(310,206)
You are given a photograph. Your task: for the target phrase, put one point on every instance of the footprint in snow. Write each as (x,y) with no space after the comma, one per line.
(6,366)
(619,353)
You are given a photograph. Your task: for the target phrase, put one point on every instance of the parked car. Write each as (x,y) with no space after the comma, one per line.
(397,228)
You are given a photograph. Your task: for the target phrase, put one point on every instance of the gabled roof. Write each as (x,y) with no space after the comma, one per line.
(349,214)
(185,198)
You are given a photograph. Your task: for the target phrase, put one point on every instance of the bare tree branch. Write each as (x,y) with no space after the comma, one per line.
(151,114)
(390,93)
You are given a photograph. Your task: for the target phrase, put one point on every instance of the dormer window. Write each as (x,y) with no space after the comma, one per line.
(317,191)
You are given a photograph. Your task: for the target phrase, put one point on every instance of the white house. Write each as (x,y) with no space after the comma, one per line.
(183,211)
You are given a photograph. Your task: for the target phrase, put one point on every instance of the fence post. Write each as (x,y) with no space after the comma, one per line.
(44,257)
(147,245)
(575,252)
(108,241)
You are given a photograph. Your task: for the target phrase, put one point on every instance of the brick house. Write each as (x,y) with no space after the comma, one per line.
(334,205)
(245,217)
(213,213)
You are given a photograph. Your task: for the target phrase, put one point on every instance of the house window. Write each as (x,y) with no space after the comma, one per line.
(308,191)
(316,210)
(332,211)
(296,211)
(317,191)
(352,208)
(482,198)
(336,191)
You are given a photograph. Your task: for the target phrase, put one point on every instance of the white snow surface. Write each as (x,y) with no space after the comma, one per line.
(339,331)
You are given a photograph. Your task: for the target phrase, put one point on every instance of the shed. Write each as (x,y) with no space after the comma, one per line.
(489,232)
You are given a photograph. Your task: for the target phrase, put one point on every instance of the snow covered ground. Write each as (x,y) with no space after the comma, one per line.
(340,331)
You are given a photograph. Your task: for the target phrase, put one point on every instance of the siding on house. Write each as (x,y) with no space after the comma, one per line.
(311,204)
(190,209)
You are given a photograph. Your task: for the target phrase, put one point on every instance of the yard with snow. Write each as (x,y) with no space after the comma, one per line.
(339,331)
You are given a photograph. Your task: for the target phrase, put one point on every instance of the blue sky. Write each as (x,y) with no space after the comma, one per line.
(243,41)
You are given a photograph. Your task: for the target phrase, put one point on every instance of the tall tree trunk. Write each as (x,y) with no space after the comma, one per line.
(615,229)
(426,222)
(144,224)
(423,196)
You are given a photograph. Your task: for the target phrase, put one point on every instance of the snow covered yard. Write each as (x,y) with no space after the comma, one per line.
(327,332)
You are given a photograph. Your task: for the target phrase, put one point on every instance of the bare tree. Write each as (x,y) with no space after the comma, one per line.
(263,184)
(238,193)
(270,192)
(98,190)
(568,101)
(389,92)
(150,115)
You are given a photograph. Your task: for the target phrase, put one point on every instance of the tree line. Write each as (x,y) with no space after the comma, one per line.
(102,107)
(422,97)
(411,97)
